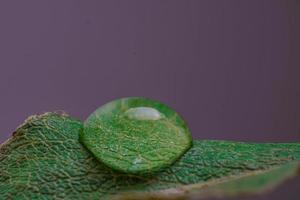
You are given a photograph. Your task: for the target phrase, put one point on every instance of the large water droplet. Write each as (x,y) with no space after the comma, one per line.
(136,135)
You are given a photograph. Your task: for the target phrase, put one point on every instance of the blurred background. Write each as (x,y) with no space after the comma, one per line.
(231,67)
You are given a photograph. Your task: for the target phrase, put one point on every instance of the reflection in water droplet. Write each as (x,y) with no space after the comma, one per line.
(143,113)
(137,161)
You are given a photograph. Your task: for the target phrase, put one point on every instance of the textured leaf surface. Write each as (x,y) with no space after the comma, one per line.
(136,135)
(44,160)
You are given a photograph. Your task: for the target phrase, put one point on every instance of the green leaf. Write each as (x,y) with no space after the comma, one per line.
(136,135)
(44,160)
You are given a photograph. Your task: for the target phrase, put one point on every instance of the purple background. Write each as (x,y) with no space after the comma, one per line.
(231,68)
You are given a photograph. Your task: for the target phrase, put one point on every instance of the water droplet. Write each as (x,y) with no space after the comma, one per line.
(136,135)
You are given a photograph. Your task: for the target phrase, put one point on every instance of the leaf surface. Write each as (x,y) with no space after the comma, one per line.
(44,160)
